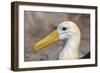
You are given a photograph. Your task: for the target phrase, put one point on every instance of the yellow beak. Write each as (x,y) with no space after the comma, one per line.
(53,37)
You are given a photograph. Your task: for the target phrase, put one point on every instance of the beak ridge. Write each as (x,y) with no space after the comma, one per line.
(50,39)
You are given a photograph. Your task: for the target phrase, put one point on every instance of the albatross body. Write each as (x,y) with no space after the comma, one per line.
(66,30)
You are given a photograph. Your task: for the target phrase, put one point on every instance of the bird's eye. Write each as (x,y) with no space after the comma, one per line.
(64,28)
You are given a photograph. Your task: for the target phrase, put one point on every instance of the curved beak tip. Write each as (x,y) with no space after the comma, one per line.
(34,49)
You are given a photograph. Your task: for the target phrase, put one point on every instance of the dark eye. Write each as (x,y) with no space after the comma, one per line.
(64,28)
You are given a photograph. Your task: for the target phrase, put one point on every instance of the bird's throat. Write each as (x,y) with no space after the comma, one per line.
(71,48)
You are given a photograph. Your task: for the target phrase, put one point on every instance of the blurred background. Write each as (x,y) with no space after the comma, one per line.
(40,24)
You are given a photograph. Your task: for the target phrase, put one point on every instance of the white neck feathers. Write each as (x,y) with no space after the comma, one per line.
(70,50)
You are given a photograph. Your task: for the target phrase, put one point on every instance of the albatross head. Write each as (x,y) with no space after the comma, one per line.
(65,30)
